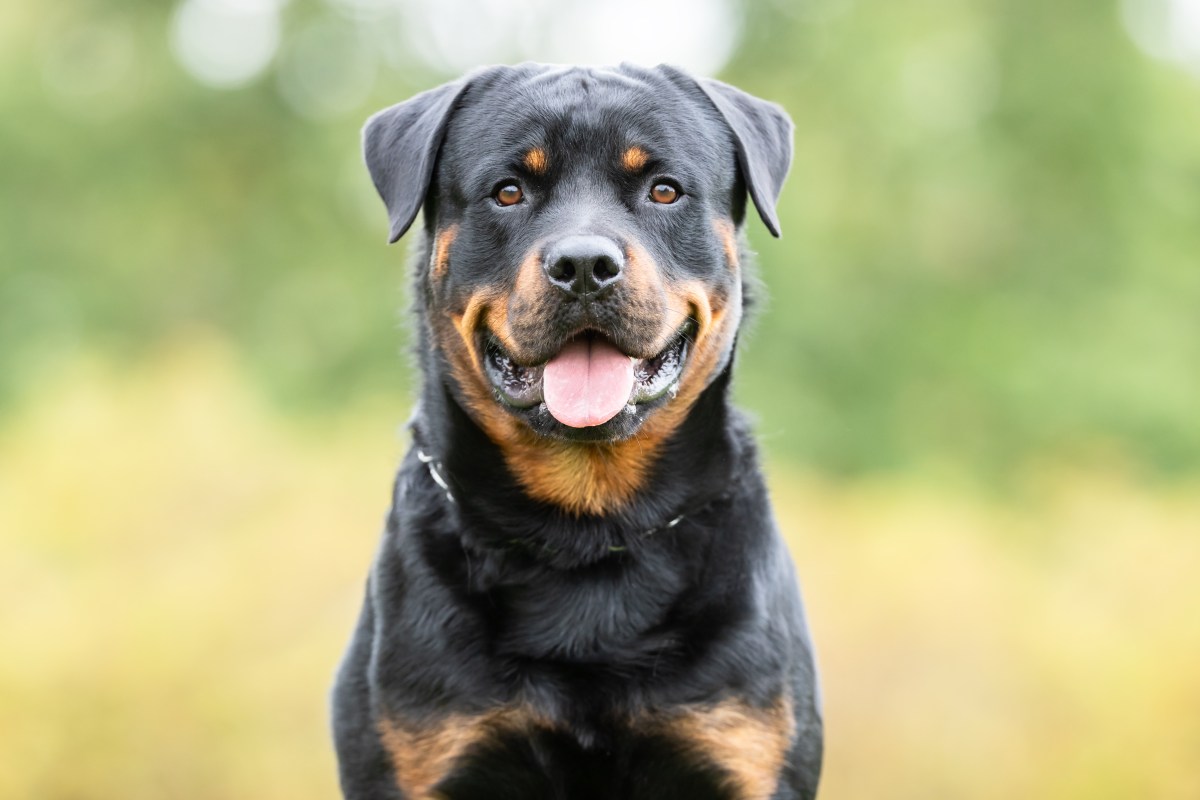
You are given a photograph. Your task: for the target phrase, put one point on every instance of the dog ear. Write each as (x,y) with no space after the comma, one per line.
(400,146)
(762,132)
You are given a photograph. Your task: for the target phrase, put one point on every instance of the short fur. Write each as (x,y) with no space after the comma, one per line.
(557,612)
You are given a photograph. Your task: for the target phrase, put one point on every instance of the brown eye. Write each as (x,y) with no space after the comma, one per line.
(664,193)
(509,194)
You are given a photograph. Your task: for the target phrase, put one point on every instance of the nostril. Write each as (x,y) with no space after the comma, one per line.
(561,271)
(604,270)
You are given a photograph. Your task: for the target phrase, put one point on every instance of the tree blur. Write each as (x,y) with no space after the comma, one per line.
(975,370)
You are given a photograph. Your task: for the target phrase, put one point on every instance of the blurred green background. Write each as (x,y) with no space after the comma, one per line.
(976,376)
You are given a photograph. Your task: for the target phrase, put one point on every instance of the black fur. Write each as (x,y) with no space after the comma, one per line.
(494,597)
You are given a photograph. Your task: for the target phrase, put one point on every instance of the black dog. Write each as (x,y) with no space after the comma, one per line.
(581,592)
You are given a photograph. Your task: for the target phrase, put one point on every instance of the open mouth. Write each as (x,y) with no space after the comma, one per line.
(589,381)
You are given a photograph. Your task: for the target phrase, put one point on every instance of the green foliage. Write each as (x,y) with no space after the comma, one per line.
(990,253)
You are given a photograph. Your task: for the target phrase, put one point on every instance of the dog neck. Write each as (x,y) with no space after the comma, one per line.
(685,471)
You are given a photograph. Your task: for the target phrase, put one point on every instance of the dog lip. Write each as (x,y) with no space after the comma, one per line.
(516,385)
(520,386)
(656,376)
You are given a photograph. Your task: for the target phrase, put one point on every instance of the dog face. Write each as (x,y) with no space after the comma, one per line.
(583,282)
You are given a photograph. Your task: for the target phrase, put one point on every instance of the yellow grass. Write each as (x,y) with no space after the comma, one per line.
(179,570)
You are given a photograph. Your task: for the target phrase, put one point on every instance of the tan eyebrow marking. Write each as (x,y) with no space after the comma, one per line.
(537,161)
(634,158)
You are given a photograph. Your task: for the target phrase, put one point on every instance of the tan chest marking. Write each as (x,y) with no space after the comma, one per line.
(750,745)
(424,754)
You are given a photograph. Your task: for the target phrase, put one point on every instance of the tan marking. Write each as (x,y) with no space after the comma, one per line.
(725,233)
(536,161)
(588,478)
(440,263)
(717,319)
(582,478)
(749,744)
(531,280)
(424,754)
(634,159)
(643,278)
(465,363)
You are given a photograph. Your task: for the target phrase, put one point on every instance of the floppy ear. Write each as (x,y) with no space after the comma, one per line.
(762,132)
(400,146)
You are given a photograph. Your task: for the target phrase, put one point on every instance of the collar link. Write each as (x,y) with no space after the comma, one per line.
(434,467)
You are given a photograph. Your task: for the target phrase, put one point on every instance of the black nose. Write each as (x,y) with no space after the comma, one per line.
(583,266)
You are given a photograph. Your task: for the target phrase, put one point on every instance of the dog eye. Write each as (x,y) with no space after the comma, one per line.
(664,193)
(509,194)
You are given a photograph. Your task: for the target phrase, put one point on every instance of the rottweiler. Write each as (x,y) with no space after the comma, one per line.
(581,593)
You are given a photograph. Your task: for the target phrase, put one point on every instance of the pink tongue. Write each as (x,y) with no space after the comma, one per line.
(587,383)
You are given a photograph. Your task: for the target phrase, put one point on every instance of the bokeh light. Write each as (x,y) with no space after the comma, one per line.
(695,34)
(1166,29)
(226,43)
(327,69)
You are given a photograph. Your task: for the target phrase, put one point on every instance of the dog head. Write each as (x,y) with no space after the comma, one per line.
(583,280)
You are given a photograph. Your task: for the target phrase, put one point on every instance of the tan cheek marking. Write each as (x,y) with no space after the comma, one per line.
(536,161)
(440,261)
(423,756)
(581,478)
(643,278)
(600,478)
(587,478)
(634,159)
(530,277)
(457,334)
(749,744)
(467,323)
(530,292)
(724,229)
(716,322)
